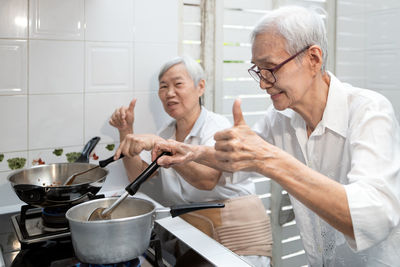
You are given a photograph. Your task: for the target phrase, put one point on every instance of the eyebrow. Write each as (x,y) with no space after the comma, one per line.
(263,60)
(174,79)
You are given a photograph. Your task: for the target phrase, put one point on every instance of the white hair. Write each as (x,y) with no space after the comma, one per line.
(193,68)
(299,26)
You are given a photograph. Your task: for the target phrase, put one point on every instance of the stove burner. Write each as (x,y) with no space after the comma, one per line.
(46,229)
(54,217)
(33,225)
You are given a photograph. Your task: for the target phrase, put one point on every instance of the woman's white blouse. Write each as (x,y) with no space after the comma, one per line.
(175,188)
(357,143)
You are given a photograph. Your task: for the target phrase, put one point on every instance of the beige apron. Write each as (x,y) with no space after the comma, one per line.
(243,225)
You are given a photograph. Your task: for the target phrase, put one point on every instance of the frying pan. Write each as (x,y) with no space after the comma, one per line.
(41,186)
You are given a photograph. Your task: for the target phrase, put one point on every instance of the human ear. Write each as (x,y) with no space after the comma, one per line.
(315,58)
(201,86)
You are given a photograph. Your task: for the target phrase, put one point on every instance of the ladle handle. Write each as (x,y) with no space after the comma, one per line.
(105,213)
(103,163)
(133,187)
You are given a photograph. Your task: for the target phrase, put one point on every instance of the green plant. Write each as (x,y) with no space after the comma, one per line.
(72,156)
(16,163)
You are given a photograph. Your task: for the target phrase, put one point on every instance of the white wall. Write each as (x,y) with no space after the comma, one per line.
(65,66)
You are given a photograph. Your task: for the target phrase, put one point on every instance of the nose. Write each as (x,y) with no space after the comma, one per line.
(265,85)
(171,91)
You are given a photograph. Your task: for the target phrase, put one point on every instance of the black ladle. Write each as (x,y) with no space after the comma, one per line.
(131,189)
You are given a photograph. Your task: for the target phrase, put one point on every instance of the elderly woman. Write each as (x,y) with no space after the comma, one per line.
(181,84)
(333,147)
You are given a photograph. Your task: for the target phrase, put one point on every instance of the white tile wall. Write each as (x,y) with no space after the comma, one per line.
(13,69)
(56,19)
(55,120)
(56,66)
(148,60)
(109,66)
(108,21)
(149,112)
(14,118)
(48,157)
(97,114)
(64,73)
(159,25)
(13,19)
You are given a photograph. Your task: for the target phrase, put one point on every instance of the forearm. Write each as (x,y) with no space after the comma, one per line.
(198,175)
(124,133)
(325,197)
(134,166)
(205,155)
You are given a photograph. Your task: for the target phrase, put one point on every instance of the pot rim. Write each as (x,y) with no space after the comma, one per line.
(110,221)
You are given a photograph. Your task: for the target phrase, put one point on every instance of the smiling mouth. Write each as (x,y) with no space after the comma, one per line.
(170,104)
(274,96)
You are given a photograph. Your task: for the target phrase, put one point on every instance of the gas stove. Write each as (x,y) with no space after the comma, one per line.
(48,243)
(37,237)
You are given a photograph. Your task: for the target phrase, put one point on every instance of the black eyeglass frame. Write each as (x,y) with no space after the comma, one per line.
(257,73)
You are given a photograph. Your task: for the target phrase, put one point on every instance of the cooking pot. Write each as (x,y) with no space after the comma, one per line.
(41,185)
(126,235)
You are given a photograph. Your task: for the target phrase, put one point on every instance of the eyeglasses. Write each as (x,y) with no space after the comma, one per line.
(268,75)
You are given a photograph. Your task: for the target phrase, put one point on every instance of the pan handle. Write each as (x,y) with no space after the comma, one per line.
(133,187)
(84,157)
(185,208)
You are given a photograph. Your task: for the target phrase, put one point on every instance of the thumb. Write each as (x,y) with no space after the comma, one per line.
(132,104)
(237,113)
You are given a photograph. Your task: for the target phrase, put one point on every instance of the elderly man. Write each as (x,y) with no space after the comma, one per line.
(333,147)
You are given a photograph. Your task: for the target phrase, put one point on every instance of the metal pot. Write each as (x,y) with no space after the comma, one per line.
(41,185)
(126,235)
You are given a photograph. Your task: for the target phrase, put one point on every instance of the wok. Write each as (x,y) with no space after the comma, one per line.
(126,235)
(41,185)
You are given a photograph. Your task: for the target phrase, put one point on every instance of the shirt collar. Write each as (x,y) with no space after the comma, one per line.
(335,115)
(336,111)
(199,123)
(170,129)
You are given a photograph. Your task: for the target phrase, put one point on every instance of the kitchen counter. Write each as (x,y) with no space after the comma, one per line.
(197,240)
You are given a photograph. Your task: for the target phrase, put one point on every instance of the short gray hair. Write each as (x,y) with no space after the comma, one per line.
(299,26)
(194,69)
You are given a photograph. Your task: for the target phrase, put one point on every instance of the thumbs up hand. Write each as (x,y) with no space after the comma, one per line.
(238,148)
(123,118)
(238,118)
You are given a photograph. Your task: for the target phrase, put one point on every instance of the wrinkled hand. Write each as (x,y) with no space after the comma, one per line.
(133,144)
(123,117)
(239,148)
(181,153)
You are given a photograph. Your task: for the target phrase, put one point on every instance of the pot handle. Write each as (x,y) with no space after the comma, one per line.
(185,208)
(133,187)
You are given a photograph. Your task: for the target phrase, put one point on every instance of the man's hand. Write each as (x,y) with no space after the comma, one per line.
(181,153)
(133,144)
(239,148)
